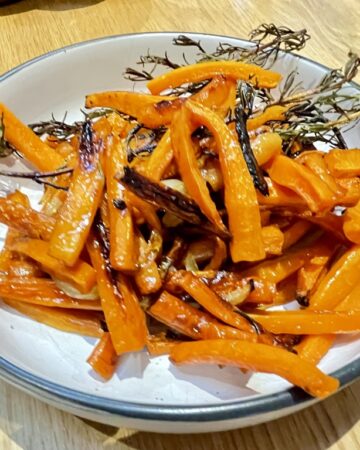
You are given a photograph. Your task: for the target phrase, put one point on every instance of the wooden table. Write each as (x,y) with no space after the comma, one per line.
(32,27)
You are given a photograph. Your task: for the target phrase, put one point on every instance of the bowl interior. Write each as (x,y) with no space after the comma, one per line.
(57,84)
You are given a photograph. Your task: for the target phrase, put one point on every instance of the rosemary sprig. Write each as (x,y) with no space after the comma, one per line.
(39,177)
(57,128)
(245,94)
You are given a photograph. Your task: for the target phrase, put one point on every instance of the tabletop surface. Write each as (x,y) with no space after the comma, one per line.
(32,27)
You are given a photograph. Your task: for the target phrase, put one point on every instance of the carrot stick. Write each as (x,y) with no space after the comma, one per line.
(199,72)
(315,162)
(147,211)
(210,301)
(343,164)
(81,275)
(103,358)
(188,167)
(280,196)
(192,322)
(25,219)
(257,357)
(292,175)
(240,194)
(85,323)
(21,137)
(352,224)
(42,292)
(147,277)
(157,346)
(273,239)
(124,317)
(295,232)
(266,147)
(123,243)
(309,322)
(271,113)
(160,158)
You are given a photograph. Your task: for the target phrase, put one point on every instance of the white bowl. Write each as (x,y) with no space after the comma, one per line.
(146,393)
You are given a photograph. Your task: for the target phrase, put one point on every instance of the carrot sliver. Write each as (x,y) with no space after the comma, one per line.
(103,358)
(259,357)
(199,72)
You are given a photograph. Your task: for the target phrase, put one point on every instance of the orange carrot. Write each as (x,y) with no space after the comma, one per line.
(240,195)
(271,113)
(273,239)
(352,223)
(21,137)
(259,357)
(314,160)
(309,322)
(160,158)
(295,232)
(280,196)
(147,277)
(157,346)
(85,323)
(292,175)
(103,358)
(266,147)
(343,164)
(210,301)
(42,292)
(189,170)
(124,317)
(198,72)
(82,276)
(192,322)
(123,243)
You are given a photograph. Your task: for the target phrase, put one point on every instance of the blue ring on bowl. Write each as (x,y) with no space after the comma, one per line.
(233,410)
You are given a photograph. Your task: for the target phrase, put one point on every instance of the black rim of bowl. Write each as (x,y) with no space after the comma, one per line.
(49,391)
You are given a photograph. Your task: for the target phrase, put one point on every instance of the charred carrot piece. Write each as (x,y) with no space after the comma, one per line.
(42,292)
(205,71)
(123,242)
(82,276)
(240,194)
(188,167)
(78,211)
(266,147)
(124,317)
(152,111)
(210,301)
(259,357)
(25,219)
(309,322)
(103,358)
(21,137)
(343,164)
(271,113)
(85,323)
(192,322)
(292,175)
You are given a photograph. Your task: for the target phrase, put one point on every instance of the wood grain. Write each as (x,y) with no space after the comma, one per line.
(31,27)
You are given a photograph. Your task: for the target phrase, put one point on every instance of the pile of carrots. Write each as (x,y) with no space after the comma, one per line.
(172,247)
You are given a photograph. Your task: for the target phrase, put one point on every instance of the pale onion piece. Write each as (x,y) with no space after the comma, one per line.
(74,293)
(237,295)
(190,263)
(175,184)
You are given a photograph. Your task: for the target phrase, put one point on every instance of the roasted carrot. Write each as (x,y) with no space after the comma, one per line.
(42,292)
(124,317)
(123,242)
(343,164)
(21,137)
(210,301)
(82,276)
(352,223)
(259,357)
(83,199)
(285,290)
(273,239)
(25,219)
(309,274)
(292,175)
(309,322)
(295,232)
(147,277)
(315,161)
(266,147)
(103,358)
(160,158)
(280,196)
(150,110)
(86,323)
(188,167)
(276,112)
(157,346)
(240,195)
(199,72)
(192,322)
